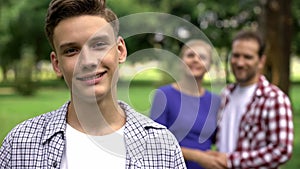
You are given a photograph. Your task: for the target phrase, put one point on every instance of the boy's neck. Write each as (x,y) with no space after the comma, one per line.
(95,118)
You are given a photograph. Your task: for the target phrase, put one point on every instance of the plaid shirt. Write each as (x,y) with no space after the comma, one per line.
(40,142)
(266,129)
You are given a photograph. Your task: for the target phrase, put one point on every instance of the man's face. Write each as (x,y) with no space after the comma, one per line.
(197,58)
(245,61)
(87,55)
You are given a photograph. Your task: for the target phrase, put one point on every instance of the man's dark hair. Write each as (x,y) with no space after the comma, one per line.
(59,10)
(246,35)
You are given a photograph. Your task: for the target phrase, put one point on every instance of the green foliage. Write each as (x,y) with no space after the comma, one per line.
(165,79)
(296,27)
(22,24)
(217,24)
(123,8)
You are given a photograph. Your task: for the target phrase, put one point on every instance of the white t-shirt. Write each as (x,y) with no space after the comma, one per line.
(85,151)
(231,117)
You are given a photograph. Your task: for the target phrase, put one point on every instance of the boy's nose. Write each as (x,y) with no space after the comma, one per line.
(87,61)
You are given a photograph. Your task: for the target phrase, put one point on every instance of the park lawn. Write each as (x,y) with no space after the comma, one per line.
(139,97)
(294,163)
(15,109)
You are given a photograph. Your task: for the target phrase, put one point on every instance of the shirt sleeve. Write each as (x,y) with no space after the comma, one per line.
(5,153)
(179,162)
(278,134)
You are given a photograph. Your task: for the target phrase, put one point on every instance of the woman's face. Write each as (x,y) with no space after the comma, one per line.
(197,59)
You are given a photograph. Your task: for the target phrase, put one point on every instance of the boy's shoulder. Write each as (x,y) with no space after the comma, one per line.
(140,126)
(135,119)
(39,126)
(145,136)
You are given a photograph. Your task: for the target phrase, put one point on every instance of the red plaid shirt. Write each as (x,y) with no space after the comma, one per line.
(266,129)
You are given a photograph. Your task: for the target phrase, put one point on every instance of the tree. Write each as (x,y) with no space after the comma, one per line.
(22,24)
(296,26)
(277,25)
(5,37)
(22,27)
(218,20)
(272,17)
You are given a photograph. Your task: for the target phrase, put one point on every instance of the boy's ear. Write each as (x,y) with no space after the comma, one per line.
(55,64)
(122,51)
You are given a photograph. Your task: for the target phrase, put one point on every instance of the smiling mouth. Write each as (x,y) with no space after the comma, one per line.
(92,77)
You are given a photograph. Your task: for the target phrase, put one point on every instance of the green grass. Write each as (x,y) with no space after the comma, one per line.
(15,109)
(294,163)
(138,96)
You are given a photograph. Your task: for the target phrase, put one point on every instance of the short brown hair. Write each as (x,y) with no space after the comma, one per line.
(59,10)
(248,34)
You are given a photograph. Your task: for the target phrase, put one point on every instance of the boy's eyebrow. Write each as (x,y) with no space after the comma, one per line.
(99,37)
(94,38)
(66,45)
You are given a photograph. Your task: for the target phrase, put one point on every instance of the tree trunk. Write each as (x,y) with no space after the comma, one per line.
(4,72)
(277,29)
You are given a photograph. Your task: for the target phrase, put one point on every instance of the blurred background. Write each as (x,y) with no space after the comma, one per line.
(28,86)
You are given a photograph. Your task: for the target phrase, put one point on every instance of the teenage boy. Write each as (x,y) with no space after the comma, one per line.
(93,129)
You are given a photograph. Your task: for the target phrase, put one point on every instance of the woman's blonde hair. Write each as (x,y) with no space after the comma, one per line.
(196,42)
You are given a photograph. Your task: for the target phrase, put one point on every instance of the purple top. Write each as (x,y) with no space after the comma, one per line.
(193,120)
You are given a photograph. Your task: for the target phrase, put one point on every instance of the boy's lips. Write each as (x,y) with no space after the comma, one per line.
(91,76)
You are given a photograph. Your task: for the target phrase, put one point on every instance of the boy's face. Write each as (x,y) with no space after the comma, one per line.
(87,55)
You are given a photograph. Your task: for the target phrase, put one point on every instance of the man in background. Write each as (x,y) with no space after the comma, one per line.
(256,125)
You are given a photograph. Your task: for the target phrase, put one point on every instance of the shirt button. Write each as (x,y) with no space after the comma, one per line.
(54,164)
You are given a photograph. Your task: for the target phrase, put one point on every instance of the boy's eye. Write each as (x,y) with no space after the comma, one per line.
(70,51)
(98,45)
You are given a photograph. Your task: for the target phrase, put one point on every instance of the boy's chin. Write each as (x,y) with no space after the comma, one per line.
(90,95)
